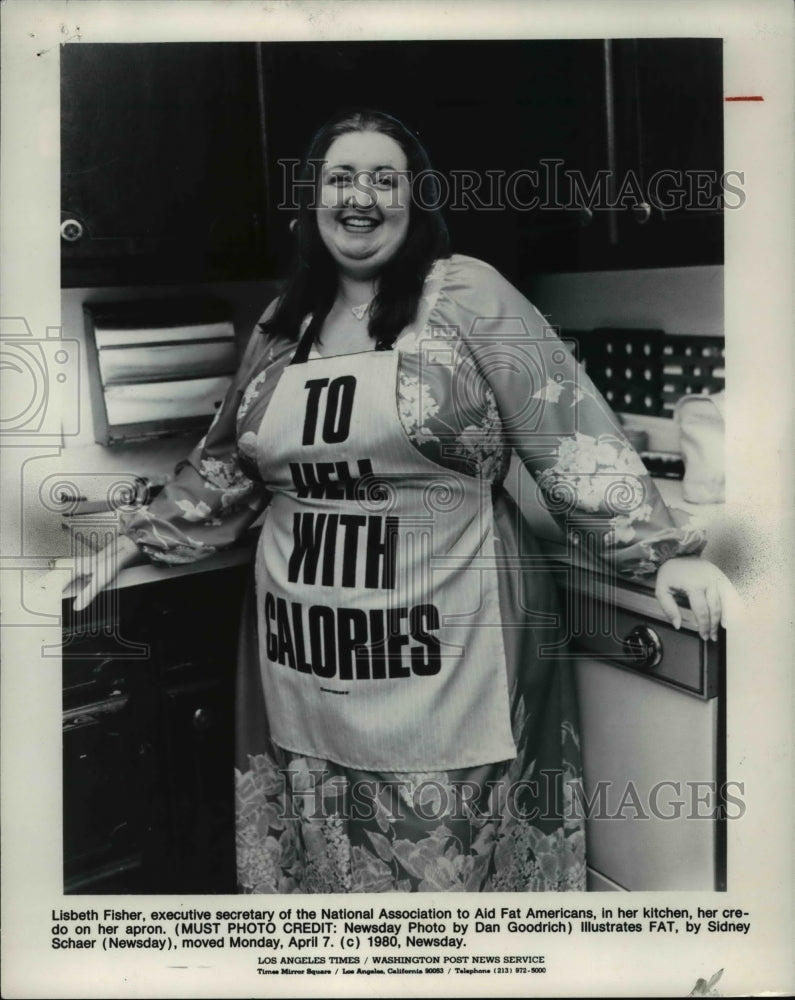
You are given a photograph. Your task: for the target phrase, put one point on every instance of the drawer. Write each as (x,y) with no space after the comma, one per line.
(677,658)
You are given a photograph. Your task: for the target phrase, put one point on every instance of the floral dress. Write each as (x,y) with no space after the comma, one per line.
(480,377)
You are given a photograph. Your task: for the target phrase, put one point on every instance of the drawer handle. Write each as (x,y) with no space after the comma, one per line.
(116,702)
(644,646)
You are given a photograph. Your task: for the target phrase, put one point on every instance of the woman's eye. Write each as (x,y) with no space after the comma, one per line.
(384,180)
(338,180)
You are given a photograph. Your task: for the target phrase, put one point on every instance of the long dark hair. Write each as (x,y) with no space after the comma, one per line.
(312,281)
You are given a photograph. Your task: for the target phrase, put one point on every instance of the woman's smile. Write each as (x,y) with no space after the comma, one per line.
(359,223)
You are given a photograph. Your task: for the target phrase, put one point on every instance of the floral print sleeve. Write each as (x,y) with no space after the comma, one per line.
(215,494)
(587,473)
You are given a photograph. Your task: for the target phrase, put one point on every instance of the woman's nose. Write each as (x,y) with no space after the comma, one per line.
(361,194)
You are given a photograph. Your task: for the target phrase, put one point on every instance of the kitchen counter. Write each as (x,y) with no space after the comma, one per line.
(135,576)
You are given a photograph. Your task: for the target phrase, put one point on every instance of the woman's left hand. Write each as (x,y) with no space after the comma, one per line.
(708,589)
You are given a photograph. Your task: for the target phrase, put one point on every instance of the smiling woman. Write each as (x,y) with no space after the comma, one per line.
(364,244)
(406,716)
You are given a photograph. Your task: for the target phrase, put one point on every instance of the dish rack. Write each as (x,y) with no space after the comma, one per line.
(646,371)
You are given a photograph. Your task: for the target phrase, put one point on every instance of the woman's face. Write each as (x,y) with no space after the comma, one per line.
(363,210)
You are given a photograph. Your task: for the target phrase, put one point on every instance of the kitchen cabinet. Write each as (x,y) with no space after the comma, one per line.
(650,188)
(520,130)
(161,163)
(668,110)
(178,158)
(148,736)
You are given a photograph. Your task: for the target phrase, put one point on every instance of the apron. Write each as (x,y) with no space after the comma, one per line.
(377,601)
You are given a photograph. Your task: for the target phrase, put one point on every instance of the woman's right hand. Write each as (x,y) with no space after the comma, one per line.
(92,572)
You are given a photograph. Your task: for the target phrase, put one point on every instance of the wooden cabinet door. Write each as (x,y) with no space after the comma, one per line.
(198,740)
(669,134)
(148,773)
(489,113)
(194,633)
(104,819)
(161,160)
(110,766)
(521,131)
(644,121)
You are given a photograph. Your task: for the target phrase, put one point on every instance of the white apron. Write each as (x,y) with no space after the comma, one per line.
(378,609)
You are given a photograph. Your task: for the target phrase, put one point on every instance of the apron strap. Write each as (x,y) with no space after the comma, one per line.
(304,345)
(307,339)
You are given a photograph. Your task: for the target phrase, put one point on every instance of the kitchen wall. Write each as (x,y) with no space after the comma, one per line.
(686,300)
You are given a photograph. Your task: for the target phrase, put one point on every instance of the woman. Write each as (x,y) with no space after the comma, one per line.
(405,722)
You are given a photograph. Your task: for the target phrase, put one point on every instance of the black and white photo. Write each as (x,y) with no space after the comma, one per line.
(384,513)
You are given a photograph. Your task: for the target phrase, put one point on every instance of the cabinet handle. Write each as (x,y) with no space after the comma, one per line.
(644,646)
(202,719)
(642,212)
(71,230)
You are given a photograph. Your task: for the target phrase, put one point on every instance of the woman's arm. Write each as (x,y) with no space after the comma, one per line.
(208,505)
(94,571)
(572,444)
